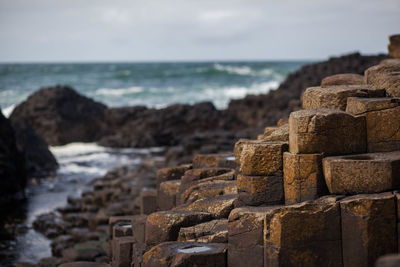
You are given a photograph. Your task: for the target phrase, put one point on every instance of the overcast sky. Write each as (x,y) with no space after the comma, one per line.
(134,30)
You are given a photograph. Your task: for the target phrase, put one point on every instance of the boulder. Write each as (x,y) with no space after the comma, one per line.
(258,190)
(335,97)
(164,226)
(262,158)
(326,131)
(368,228)
(186,254)
(303,177)
(382,124)
(394,46)
(215,231)
(50,111)
(342,79)
(362,173)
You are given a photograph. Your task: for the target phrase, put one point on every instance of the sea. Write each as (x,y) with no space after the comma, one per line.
(152,84)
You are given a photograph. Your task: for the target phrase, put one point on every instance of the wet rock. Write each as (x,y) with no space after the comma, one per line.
(167,174)
(50,111)
(262,158)
(167,194)
(207,190)
(362,173)
(113,220)
(245,236)
(121,229)
(287,242)
(326,131)
(335,97)
(60,243)
(148,201)
(215,231)
(342,79)
(391,260)
(368,228)
(50,225)
(303,177)
(381,116)
(257,190)
(165,225)
(219,206)
(394,46)
(222,160)
(186,254)
(384,76)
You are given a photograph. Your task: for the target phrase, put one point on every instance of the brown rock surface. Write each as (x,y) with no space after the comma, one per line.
(122,251)
(245,236)
(275,134)
(368,228)
(335,97)
(394,46)
(390,260)
(382,123)
(221,160)
(262,158)
(167,193)
(257,190)
(363,173)
(165,225)
(239,147)
(342,79)
(186,254)
(208,189)
(215,231)
(303,177)
(306,234)
(326,131)
(148,201)
(384,76)
(84,264)
(167,174)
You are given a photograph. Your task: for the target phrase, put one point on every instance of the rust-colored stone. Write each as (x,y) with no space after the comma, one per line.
(239,147)
(167,194)
(326,131)
(382,123)
(222,160)
(368,228)
(167,174)
(303,177)
(215,231)
(208,189)
(275,134)
(258,190)
(342,79)
(394,46)
(384,76)
(335,97)
(148,201)
(363,173)
(263,158)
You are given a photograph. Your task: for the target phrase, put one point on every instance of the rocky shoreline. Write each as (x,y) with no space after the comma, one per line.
(227,209)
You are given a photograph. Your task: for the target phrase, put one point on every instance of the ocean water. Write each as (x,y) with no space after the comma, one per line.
(151,84)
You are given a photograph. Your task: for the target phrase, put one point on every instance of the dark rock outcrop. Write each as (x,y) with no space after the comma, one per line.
(61,115)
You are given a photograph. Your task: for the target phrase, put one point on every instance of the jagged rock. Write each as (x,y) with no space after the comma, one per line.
(368,228)
(342,79)
(50,111)
(335,97)
(381,114)
(306,234)
(362,173)
(326,131)
(384,76)
(275,134)
(303,177)
(208,189)
(394,46)
(222,160)
(167,193)
(262,158)
(245,236)
(164,226)
(167,174)
(257,190)
(186,254)
(215,231)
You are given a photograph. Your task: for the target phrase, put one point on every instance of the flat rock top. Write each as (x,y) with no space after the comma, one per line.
(382,157)
(359,105)
(386,195)
(316,112)
(342,79)
(340,88)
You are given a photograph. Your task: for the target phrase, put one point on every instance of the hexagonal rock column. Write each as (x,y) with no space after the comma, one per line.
(303,177)
(335,97)
(122,251)
(384,76)
(167,194)
(306,234)
(221,160)
(363,173)
(368,228)
(164,226)
(394,46)
(148,201)
(275,134)
(245,236)
(257,190)
(342,79)
(326,131)
(382,121)
(186,254)
(215,231)
(208,189)
(122,229)
(167,174)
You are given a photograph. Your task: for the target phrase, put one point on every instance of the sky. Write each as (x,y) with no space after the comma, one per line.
(185,30)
